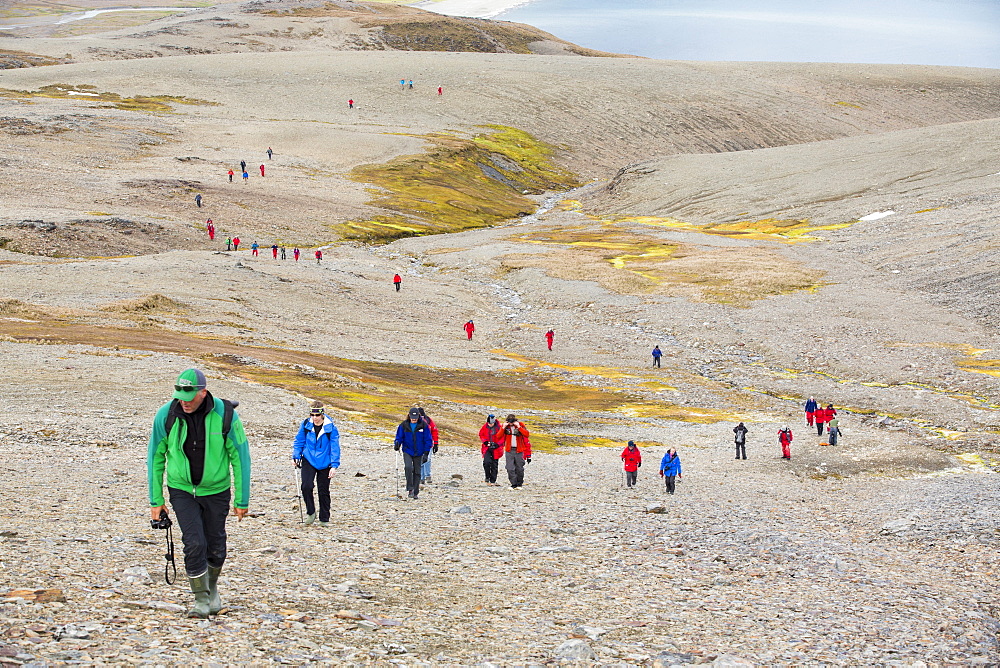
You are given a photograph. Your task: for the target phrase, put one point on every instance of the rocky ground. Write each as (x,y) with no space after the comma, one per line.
(780,231)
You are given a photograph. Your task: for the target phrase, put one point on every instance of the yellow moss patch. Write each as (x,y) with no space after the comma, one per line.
(460,183)
(849,104)
(734,276)
(87,93)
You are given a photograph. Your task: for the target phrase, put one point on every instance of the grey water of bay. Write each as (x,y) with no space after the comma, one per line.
(914,32)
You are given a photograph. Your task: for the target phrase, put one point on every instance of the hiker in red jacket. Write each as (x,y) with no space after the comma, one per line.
(633,460)
(396,280)
(492,436)
(319,255)
(262,170)
(785,439)
(236,243)
(549,335)
(822,416)
(425,467)
(296,252)
(469,328)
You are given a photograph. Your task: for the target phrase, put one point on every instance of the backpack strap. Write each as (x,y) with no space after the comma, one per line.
(228,410)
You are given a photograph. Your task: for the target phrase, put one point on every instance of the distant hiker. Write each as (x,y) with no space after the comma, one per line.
(785,439)
(196,439)
(833,427)
(229,243)
(236,243)
(296,252)
(350,104)
(402,83)
(741,440)
(317,452)
(549,335)
(230,176)
(411,83)
(670,469)
(274,251)
(657,354)
(269,152)
(469,328)
(254,247)
(197,200)
(262,170)
(413,437)
(319,255)
(425,467)
(822,416)
(810,411)
(283,253)
(492,436)
(632,460)
(518,450)
(396,280)
(440,90)
(246,176)
(243,165)
(210,227)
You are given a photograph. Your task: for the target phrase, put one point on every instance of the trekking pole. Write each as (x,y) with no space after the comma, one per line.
(397,475)
(298,491)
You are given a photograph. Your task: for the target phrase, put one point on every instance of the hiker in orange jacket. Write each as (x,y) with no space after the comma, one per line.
(518,450)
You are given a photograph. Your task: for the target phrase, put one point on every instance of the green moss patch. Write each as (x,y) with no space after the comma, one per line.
(460,183)
(87,93)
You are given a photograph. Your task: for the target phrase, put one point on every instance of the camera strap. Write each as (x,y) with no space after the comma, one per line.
(169,556)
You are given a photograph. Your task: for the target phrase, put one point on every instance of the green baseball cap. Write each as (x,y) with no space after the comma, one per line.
(188,384)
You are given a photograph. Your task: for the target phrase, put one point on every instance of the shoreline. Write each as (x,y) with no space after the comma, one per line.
(479,9)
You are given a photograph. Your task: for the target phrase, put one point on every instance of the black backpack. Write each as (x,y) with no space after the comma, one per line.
(228,409)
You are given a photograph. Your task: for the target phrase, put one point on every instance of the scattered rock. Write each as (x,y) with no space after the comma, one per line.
(575,649)
(656,508)
(460,510)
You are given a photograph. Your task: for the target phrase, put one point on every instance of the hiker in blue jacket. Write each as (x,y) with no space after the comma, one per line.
(657,354)
(413,437)
(670,468)
(317,453)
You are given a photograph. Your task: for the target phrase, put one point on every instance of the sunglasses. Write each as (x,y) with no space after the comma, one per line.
(316,413)
(186,388)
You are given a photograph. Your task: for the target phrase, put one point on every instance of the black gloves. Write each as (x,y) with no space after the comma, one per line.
(396,447)
(528,460)
(435,449)
(639,464)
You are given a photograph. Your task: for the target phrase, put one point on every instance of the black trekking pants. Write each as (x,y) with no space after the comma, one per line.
(669,481)
(322,478)
(411,466)
(630,478)
(741,447)
(202,520)
(656,362)
(819,428)
(491,467)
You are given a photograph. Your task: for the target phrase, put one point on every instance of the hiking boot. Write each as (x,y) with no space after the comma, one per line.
(323,524)
(214,600)
(202,596)
(427,480)
(310,519)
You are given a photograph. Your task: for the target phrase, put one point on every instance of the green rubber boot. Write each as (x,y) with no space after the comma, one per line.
(199,587)
(214,601)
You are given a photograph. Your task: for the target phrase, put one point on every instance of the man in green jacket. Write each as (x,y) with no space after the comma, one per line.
(196,438)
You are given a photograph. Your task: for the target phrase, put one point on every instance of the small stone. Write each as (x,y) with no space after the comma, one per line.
(502,551)
(460,510)
(656,508)
(575,650)
(668,659)
(137,575)
(731,661)
(366,625)
(592,632)
(155,605)
(348,614)
(895,527)
(457,476)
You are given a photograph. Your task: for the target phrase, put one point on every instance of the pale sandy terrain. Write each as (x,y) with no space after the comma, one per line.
(684,235)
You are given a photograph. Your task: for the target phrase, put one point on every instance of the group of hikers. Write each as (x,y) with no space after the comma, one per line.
(197,439)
